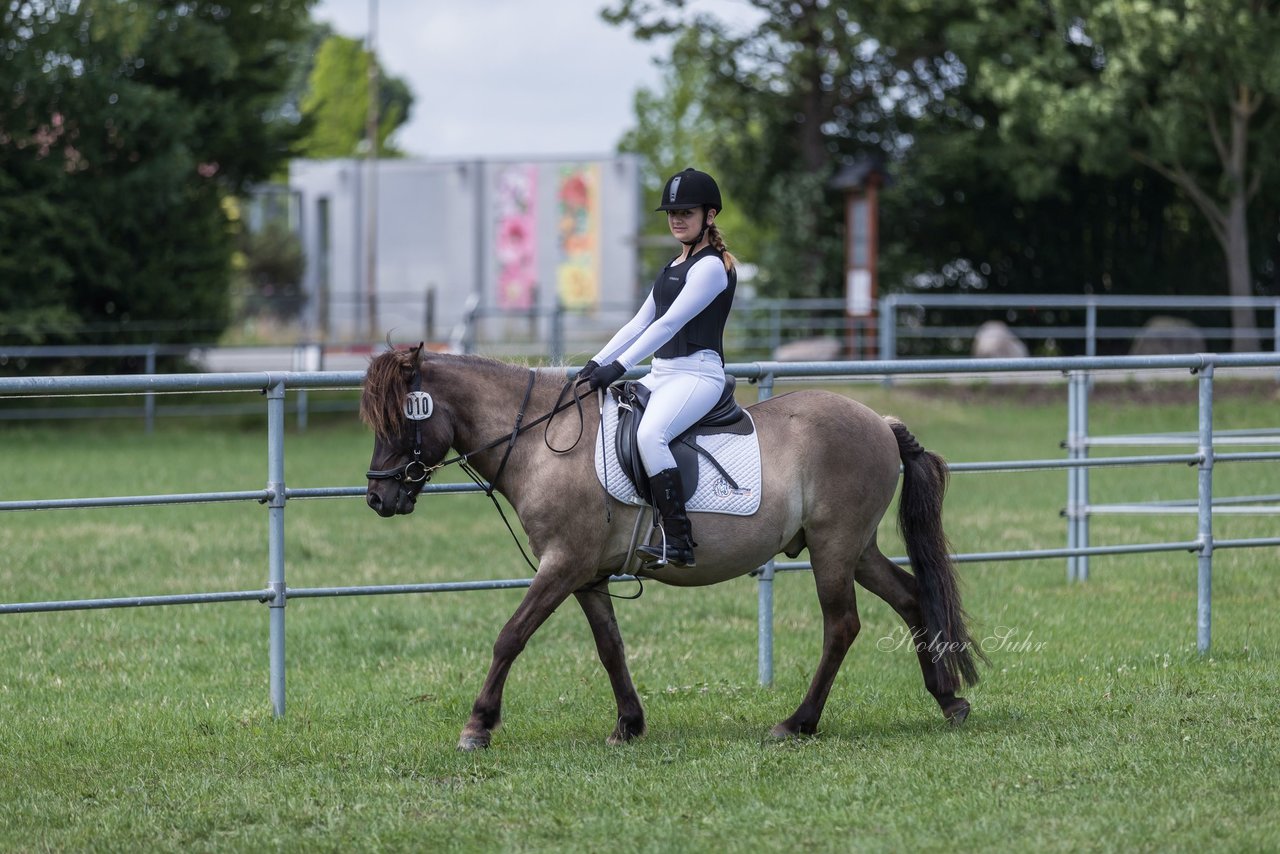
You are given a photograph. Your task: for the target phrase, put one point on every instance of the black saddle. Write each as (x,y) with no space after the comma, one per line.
(725,417)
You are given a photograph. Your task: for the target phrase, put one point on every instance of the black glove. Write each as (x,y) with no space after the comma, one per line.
(586,372)
(606,376)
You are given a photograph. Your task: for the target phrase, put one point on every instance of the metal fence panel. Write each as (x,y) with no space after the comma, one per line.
(276,494)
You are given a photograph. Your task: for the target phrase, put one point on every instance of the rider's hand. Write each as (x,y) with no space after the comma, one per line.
(606,376)
(585,374)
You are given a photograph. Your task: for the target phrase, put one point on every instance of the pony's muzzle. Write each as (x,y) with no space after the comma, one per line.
(374,500)
(402,504)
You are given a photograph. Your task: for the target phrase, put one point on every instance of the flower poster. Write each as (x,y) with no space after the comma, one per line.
(578,272)
(516,236)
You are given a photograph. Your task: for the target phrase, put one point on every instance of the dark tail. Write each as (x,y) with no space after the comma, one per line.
(924,483)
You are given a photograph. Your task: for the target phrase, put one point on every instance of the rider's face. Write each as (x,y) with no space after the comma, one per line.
(686,223)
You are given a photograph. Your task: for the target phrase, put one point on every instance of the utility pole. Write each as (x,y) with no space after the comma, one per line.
(371,185)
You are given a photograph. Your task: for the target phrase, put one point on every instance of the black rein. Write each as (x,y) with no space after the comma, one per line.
(402,472)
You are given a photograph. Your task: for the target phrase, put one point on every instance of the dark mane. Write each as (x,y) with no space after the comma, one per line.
(385,385)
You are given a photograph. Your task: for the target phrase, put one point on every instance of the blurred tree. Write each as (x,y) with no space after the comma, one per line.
(123,126)
(1188,89)
(976,207)
(1029,141)
(274,263)
(779,102)
(672,134)
(336,104)
(302,62)
(1045,170)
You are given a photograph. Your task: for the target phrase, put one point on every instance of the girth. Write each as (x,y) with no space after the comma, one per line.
(725,417)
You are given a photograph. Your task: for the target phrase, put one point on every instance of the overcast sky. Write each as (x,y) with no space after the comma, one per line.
(505,77)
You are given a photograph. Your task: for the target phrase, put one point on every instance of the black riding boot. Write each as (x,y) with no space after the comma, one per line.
(677,535)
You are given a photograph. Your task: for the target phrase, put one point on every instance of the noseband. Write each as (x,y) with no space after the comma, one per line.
(418,407)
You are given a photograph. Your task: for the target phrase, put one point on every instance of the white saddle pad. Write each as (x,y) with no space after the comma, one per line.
(739,455)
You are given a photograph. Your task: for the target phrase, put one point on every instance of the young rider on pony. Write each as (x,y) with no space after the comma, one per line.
(681,324)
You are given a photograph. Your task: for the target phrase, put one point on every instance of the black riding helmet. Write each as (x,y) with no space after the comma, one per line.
(691,189)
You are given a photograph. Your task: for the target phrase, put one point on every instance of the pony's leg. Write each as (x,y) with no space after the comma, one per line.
(898,587)
(550,587)
(833,576)
(598,607)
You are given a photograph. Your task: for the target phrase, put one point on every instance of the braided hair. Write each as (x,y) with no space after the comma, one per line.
(716,239)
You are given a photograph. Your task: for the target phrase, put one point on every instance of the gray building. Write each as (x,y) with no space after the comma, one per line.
(499,243)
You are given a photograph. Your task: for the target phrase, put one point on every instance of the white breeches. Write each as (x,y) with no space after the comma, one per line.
(682,391)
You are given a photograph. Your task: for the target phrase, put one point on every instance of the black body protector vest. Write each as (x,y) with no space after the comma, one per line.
(706,330)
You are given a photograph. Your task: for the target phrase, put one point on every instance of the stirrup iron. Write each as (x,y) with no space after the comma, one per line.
(654,556)
(650,556)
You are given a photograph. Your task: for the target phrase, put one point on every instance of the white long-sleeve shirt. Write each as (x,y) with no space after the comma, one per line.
(644,333)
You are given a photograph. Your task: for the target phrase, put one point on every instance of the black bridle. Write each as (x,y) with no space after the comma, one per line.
(415,472)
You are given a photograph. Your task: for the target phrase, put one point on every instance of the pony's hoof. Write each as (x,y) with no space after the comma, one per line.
(625,733)
(470,742)
(957,713)
(786,731)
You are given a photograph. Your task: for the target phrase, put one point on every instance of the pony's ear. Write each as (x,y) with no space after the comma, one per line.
(412,359)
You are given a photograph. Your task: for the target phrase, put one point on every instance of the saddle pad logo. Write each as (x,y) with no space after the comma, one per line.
(723,489)
(739,455)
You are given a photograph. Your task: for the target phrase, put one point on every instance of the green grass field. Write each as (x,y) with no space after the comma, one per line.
(1097,726)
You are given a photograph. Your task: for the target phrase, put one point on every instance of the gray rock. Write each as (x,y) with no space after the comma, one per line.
(809,350)
(1167,336)
(994,340)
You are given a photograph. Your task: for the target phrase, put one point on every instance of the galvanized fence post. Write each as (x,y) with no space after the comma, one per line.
(775,329)
(1085,381)
(1091,328)
(1077,475)
(275,540)
(1204,514)
(149,402)
(306,357)
(764,589)
(888,327)
(557,332)
(1073,452)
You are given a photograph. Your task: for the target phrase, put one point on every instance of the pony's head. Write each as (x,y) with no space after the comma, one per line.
(411,432)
